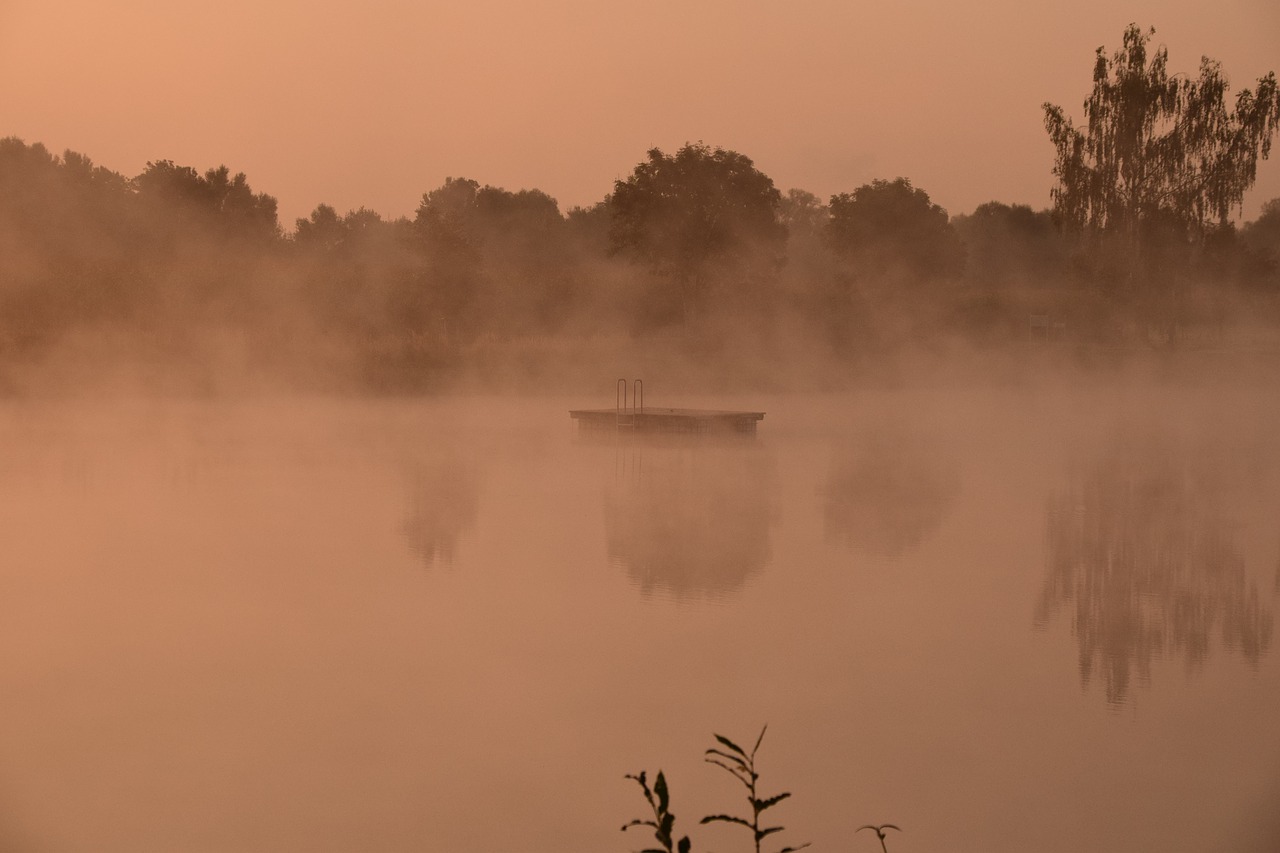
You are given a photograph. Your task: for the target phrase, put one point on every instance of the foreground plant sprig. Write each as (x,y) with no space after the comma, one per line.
(663,822)
(742,766)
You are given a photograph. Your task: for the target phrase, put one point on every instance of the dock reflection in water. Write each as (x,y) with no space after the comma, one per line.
(690,516)
(1141,554)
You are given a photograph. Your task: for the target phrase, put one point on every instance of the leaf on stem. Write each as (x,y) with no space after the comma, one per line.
(761,805)
(724,740)
(727,818)
(733,758)
(739,774)
(660,788)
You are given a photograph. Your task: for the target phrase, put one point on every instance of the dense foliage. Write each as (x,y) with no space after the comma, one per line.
(1157,144)
(892,228)
(1154,175)
(184,279)
(705,220)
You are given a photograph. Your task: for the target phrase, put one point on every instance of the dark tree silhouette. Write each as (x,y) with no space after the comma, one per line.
(488,220)
(164,179)
(803,213)
(1155,172)
(496,258)
(589,227)
(1011,243)
(1265,230)
(216,202)
(244,212)
(1016,265)
(701,219)
(322,230)
(68,247)
(1261,240)
(447,215)
(890,228)
(1157,145)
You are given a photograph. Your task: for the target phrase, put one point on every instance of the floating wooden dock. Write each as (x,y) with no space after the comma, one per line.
(630,414)
(667,420)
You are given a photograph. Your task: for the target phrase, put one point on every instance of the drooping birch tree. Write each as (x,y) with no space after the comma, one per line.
(1157,145)
(1155,173)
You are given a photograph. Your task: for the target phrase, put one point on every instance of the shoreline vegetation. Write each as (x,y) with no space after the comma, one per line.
(694,268)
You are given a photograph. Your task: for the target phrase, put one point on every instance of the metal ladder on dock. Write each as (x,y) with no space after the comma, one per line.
(626,416)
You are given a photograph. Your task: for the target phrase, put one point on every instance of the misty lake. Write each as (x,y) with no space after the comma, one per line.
(1001,619)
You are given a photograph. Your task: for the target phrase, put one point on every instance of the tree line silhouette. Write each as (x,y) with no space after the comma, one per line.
(697,250)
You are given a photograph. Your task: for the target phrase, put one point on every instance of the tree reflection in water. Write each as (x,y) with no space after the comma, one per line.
(691,517)
(888,491)
(1141,554)
(444,498)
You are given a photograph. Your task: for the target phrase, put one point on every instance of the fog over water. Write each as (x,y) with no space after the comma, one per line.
(1003,616)
(302,550)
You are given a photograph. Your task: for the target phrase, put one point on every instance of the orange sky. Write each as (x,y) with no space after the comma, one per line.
(374,103)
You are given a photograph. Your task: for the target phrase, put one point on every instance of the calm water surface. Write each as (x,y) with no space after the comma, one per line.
(1002,620)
